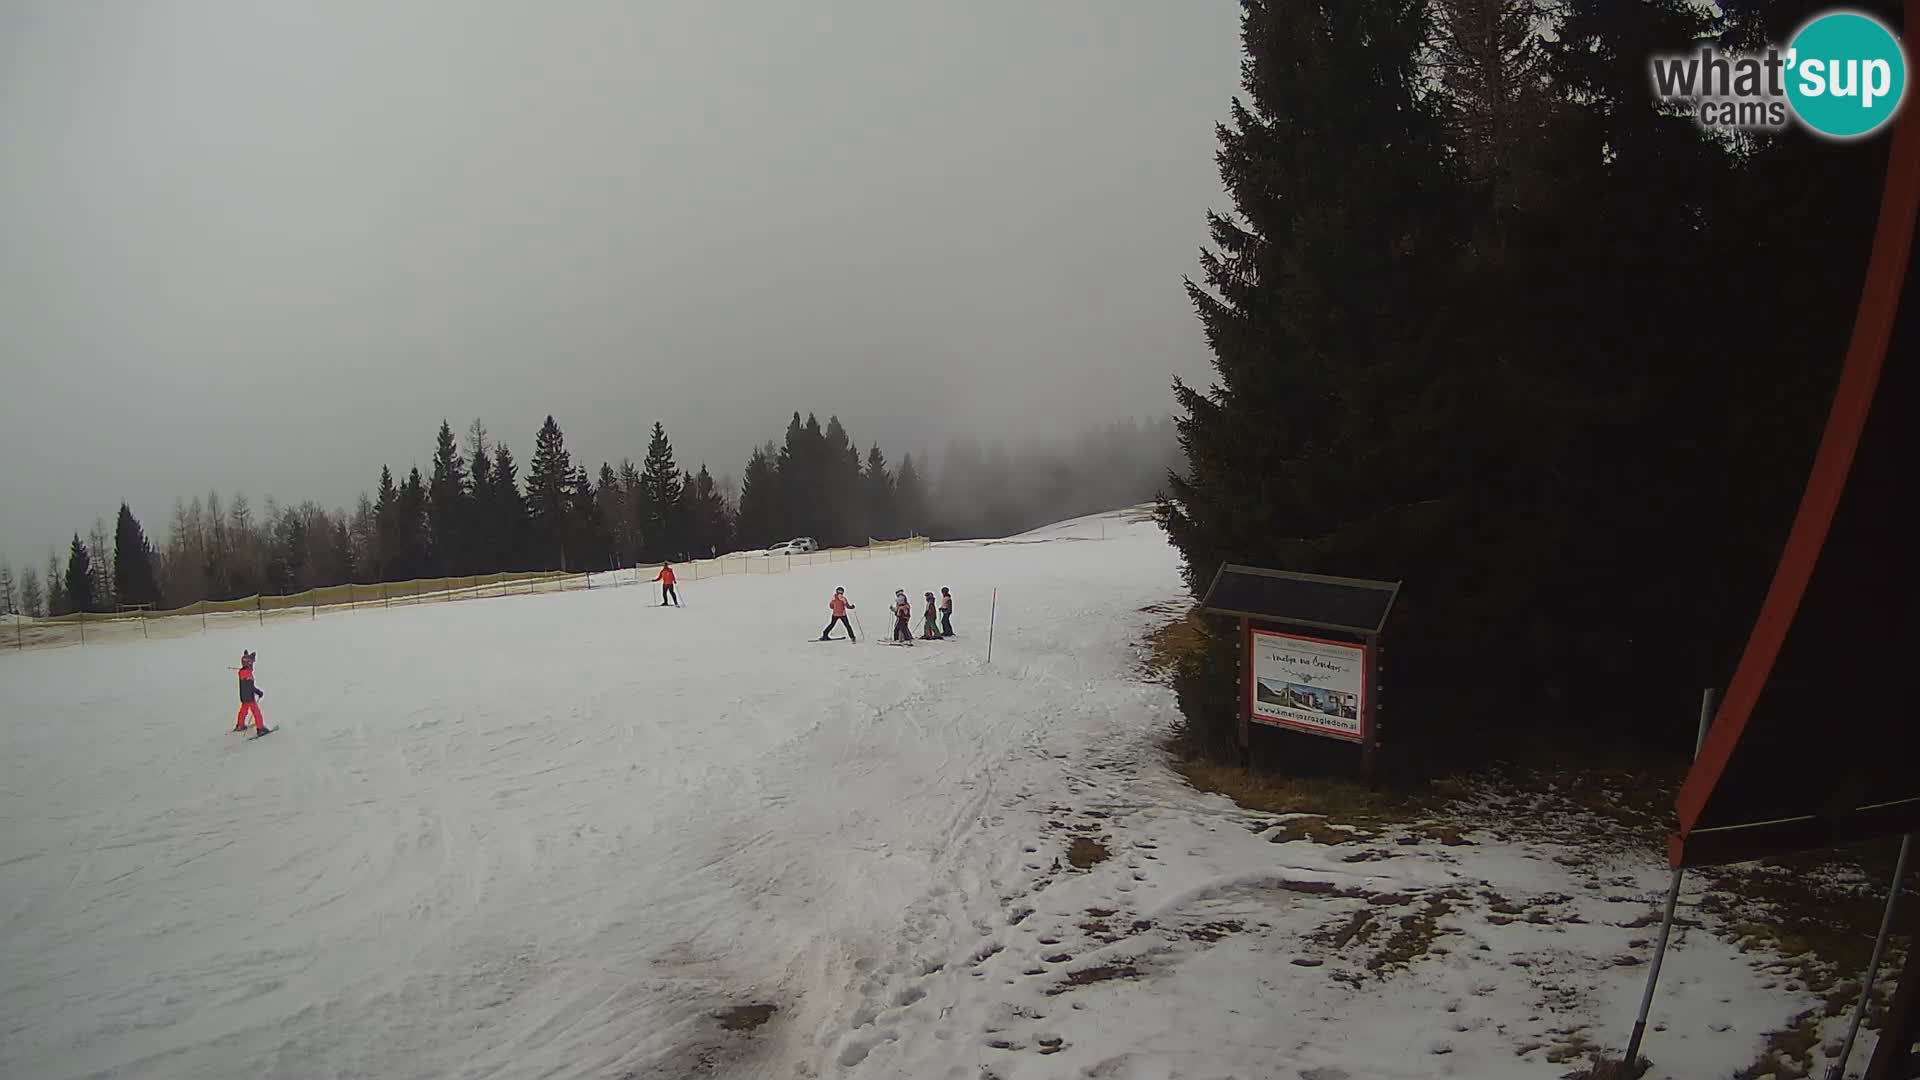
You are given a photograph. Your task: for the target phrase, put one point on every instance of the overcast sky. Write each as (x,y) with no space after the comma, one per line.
(267,246)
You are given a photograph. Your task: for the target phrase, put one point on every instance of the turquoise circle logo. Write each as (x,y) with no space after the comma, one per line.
(1847,74)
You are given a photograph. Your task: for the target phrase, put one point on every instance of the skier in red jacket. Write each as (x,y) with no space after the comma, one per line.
(248,692)
(665,578)
(839,606)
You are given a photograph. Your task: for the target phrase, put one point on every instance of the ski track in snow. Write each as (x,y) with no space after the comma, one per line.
(553,836)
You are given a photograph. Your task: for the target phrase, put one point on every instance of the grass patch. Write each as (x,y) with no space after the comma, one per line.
(1328,798)
(744,1017)
(1412,939)
(1318,830)
(1789,1052)
(1613,1069)
(1085,853)
(1172,640)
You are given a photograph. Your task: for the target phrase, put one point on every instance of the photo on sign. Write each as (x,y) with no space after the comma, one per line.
(1308,684)
(1318,699)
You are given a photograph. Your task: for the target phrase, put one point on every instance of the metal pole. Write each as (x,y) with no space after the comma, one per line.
(1873,965)
(992,613)
(1707,698)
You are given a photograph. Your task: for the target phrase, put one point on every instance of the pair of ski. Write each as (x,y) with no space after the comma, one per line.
(258,732)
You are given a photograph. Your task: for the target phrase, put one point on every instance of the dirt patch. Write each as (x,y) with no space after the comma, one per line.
(1089,976)
(744,1017)
(1319,888)
(1085,853)
(1214,931)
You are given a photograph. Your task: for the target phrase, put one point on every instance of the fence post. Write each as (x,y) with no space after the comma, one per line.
(143,622)
(82,616)
(384,602)
(259,616)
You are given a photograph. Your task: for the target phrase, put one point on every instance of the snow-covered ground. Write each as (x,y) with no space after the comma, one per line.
(582,836)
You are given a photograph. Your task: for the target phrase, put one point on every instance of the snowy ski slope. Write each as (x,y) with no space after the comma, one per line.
(561,835)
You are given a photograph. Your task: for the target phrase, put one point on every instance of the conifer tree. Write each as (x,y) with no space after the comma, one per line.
(661,485)
(877,493)
(133,558)
(548,497)
(387,530)
(761,512)
(910,500)
(509,531)
(79,580)
(447,507)
(482,523)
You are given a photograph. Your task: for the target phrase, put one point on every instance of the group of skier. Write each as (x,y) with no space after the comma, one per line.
(937,619)
(936,623)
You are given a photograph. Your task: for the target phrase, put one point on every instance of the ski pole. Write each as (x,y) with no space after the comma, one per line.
(856,621)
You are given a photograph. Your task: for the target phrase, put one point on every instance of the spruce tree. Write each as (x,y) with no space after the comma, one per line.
(662,488)
(586,527)
(483,549)
(909,500)
(877,492)
(611,497)
(633,499)
(133,557)
(709,530)
(79,580)
(1333,439)
(761,500)
(1321,298)
(510,512)
(548,496)
(843,510)
(413,525)
(9,590)
(387,530)
(447,508)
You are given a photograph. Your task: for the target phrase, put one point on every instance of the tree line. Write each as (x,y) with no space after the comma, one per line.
(473,512)
(1489,319)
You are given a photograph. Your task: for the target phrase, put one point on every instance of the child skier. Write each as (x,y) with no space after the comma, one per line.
(665,578)
(946,612)
(902,611)
(248,692)
(839,606)
(929,629)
